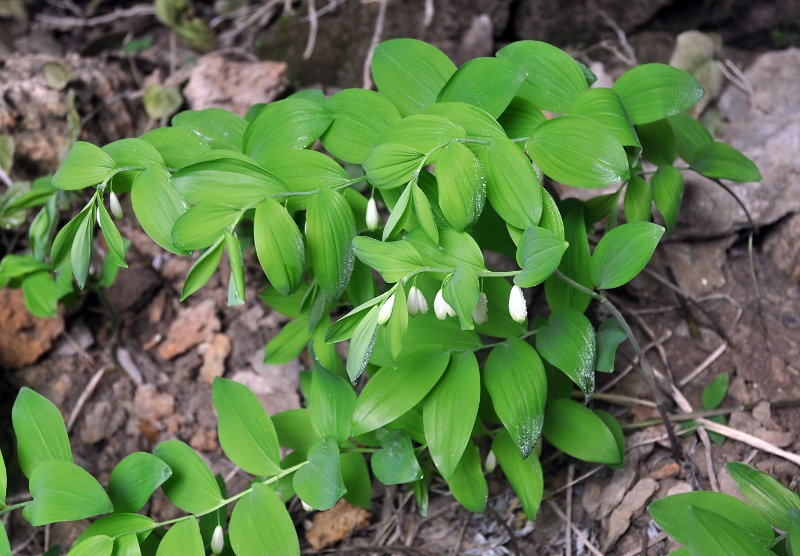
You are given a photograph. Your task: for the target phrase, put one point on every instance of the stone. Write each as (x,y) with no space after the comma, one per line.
(698,266)
(330,527)
(133,285)
(101,421)
(620,518)
(193,325)
(216,81)
(214,357)
(274,385)
(781,247)
(148,403)
(665,471)
(621,481)
(23,337)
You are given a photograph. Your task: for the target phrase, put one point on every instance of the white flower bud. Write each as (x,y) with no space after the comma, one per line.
(441,307)
(306,507)
(422,303)
(372,215)
(411,301)
(217,540)
(386,310)
(516,305)
(480,313)
(97,214)
(116,208)
(491,462)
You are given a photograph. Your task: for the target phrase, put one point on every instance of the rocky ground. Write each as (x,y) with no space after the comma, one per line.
(135,368)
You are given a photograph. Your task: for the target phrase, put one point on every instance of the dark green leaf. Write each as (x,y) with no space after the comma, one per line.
(575,430)
(525,475)
(638,199)
(516,381)
(604,106)
(488,83)
(658,142)
(182,538)
(202,270)
(81,251)
(772,500)
(610,334)
(292,123)
(623,252)
(221,129)
(40,431)
(395,463)
(567,341)
(356,479)
(62,491)
(330,229)
(3,480)
(719,160)
(192,486)
(261,526)
(576,262)
(651,92)
(467,482)
(319,484)
(520,118)
(134,479)
(279,246)
(294,429)
(157,206)
(690,136)
(711,534)
(714,393)
(539,255)
(85,166)
(462,185)
(331,404)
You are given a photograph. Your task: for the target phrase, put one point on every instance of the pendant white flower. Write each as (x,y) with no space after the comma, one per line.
(422,303)
(372,214)
(480,313)
(516,305)
(441,307)
(217,540)
(116,208)
(386,310)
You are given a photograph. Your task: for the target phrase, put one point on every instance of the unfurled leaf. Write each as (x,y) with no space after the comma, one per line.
(516,381)
(220,129)
(234,250)
(359,116)
(261,526)
(651,92)
(81,251)
(40,293)
(520,118)
(331,404)
(178,146)
(203,225)
(476,121)
(291,123)
(86,165)
(539,255)
(461,292)
(245,182)
(616,431)
(40,431)
(362,343)
(157,206)
(623,252)
(118,524)
(467,482)
(711,533)
(567,342)
(395,463)
(462,185)
(719,160)
(575,263)
(393,259)
(100,545)
(134,479)
(609,335)
(577,431)
(182,538)
(488,83)
(400,212)
(391,165)
(356,478)
(279,246)
(111,234)
(714,393)
(295,430)
(793,533)
(62,491)
(191,487)
(604,106)
(772,500)
(304,171)
(638,199)
(319,484)
(690,136)
(203,269)
(524,474)
(330,229)
(658,142)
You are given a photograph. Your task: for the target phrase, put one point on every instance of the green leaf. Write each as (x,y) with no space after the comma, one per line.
(191,487)
(500,323)
(330,229)
(711,534)
(178,146)
(511,184)
(575,263)
(134,479)
(554,82)
(623,252)
(279,246)
(461,292)
(410,73)
(111,234)
(525,475)
(476,121)
(575,430)
(567,342)
(3,480)
(538,254)
(467,482)
(651,92)
(304,171)
(462,185)
(85,166)
(714,393)
(638,199)
(245,431)
(672,514)
(161,102)
(118,524)
(157,206)
(356,478)
(520,118)
(605,107)
(127,545)
(578,151)
(392,391)
(719,160)
(453,248)
(488,83)
(319,484)
(400,211)
(793,540)
(261,526)
(221,129)
(203,269)
(515,378)
(393,259)
(770,498)
(391,165)
(425,133)
(203,225)
(331,404)
(690,136)
(62,491)
(616,431)
(394,332)
(449,411)
(658,142)
(395,462)
(182,538)
(292,123)
(81,251)
(610,334)
(359,116)
(424,214)
(41,294)
(40,431)
(362,343)
(294,429)
(234,250)
(93,546)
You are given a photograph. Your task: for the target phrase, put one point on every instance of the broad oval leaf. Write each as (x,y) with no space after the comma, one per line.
(118,524)
(488,83)
(449,411)
(476,121)
(410,73)
(515,378)
(261,526)
(524,474)
(331,404)
(423,132)
(395,463)
(772,500)
(711,533)
(100,545)
(134,479)
(182,538)
(658,142)
(461,292)
(720,160)
(319,483)
(391,165)
(467,482)
(191,487)
(394,260)
(245,431)
(291,123)
(567,342)
(157,206)
(330,229)
(654,91)
(667,186)
(623,252)
(279,246)
(202,225)
(304,171)
(609,335)
(605,107)
(178,146)
(462,185)
(86,165)
(690,136)
(538,254)
(203,269)
(40,431)
(220,129)
(520,118)
(578,151)
(62,491)
(577,431)
(638,198)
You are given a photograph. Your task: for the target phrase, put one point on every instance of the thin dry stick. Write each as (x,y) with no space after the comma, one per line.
(749,439)
(592,548)
(4,178)
(312,30)
(578,480)
(706,362)
(85,395)
(428,13)
(366,76)
(618,399)
(64,23)
(567,529)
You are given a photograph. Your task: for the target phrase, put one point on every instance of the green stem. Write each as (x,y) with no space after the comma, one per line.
(13,507)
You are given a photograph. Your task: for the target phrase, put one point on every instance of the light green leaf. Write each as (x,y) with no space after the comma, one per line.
(62,491)
(319,484)
(393,390)
(394,260)
(127,545)
(391,165)
(292,123)
(394,332)
(467,482)
(616,431)
(191,487)
(539,255)
(245,431)
(395,463)
(359,116)
(623,252)
(604,106)
(567,342)
(111,234)
(515,378)
(711,534)
(488,83)
(182,538)
(425,133)
(690,136)
(203,269)
(221,129)
(476,121)
(449,411)
(525,475)
(714,393)
(356,479)
(551,216)
(330,229)
(658,142)
(424,214)
(520,118)
(719,160)
(94,546)
(500,323)
(203,225)
(161,102)
(279,246)
(554,82)
(400,212)
(362,343)
(40,431)
(769,497)
(234,250)
(40,293)
(576,430)
(610,334)
(461,292)
(86,165)
(638,199)
(81,251)
(288,343)
(331,404)
(462,185)
(134,479)
(157,206)
(578,151)
(410,73)
(118,524)
(651,92)
(178,146)
(576,262)
(261,526)
(295,430)
(304,171)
